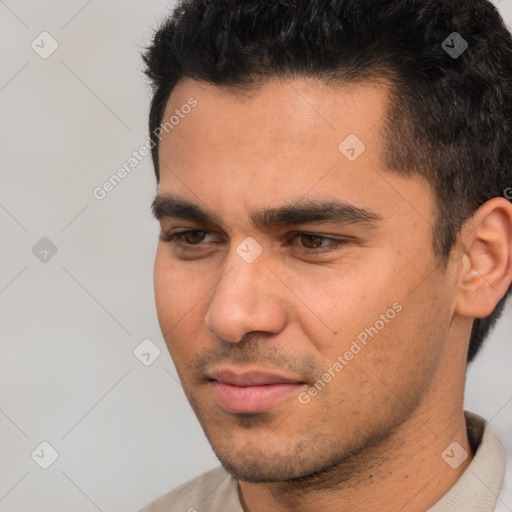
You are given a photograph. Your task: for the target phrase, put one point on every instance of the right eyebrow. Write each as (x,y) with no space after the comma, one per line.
(172,206)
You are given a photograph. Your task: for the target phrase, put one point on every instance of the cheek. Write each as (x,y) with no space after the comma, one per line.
(401,350)
(179,299)
(346,306)
(165,292)
(404,356)
(374,319)
(381,378)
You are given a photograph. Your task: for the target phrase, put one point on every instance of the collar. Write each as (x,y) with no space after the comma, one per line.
(478,487)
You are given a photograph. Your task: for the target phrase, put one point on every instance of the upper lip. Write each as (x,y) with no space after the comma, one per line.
(250,378)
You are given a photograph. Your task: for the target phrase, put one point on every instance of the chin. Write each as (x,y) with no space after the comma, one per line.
(254,461)
(259,472)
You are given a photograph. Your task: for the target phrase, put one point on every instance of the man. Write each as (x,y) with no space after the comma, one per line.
(336,243)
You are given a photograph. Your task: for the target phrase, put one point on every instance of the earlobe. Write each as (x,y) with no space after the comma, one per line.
(486,267)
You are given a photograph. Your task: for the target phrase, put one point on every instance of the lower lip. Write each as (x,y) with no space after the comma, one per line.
(252,399)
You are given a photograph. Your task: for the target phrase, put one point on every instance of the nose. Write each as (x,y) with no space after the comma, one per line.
(247,298)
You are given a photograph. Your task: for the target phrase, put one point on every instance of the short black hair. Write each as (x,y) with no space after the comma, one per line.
(449,116)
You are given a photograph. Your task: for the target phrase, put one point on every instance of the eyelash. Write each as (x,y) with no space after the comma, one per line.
(176,239)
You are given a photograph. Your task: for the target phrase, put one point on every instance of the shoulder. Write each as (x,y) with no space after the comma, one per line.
(217,489)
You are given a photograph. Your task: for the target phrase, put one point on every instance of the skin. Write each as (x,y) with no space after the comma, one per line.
(375,433)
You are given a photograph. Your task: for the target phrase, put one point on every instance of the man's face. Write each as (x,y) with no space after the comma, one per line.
(304,334)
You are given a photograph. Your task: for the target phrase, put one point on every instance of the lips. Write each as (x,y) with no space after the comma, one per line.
(252,378)
(252,391)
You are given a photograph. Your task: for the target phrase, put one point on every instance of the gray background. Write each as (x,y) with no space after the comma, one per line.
(123,431)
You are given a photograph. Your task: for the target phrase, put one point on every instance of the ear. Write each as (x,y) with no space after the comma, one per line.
(485,270)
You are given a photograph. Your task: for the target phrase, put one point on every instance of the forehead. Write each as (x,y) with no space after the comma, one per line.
(286,111)
(284,141)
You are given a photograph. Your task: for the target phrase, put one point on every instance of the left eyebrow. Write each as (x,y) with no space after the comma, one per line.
(314,211)
(300,212)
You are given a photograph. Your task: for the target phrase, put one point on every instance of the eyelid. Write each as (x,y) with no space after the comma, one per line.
(171,236)
(337,242)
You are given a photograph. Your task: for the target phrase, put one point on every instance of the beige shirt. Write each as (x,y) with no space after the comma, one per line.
(476,490)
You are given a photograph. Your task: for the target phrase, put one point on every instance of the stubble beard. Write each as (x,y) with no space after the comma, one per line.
(319,462)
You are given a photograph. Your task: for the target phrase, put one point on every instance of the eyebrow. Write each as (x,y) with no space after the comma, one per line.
(300,212)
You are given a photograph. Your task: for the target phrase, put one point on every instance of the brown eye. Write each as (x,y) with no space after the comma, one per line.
(311,241)
(193,237)
(314,244)
(188,238)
